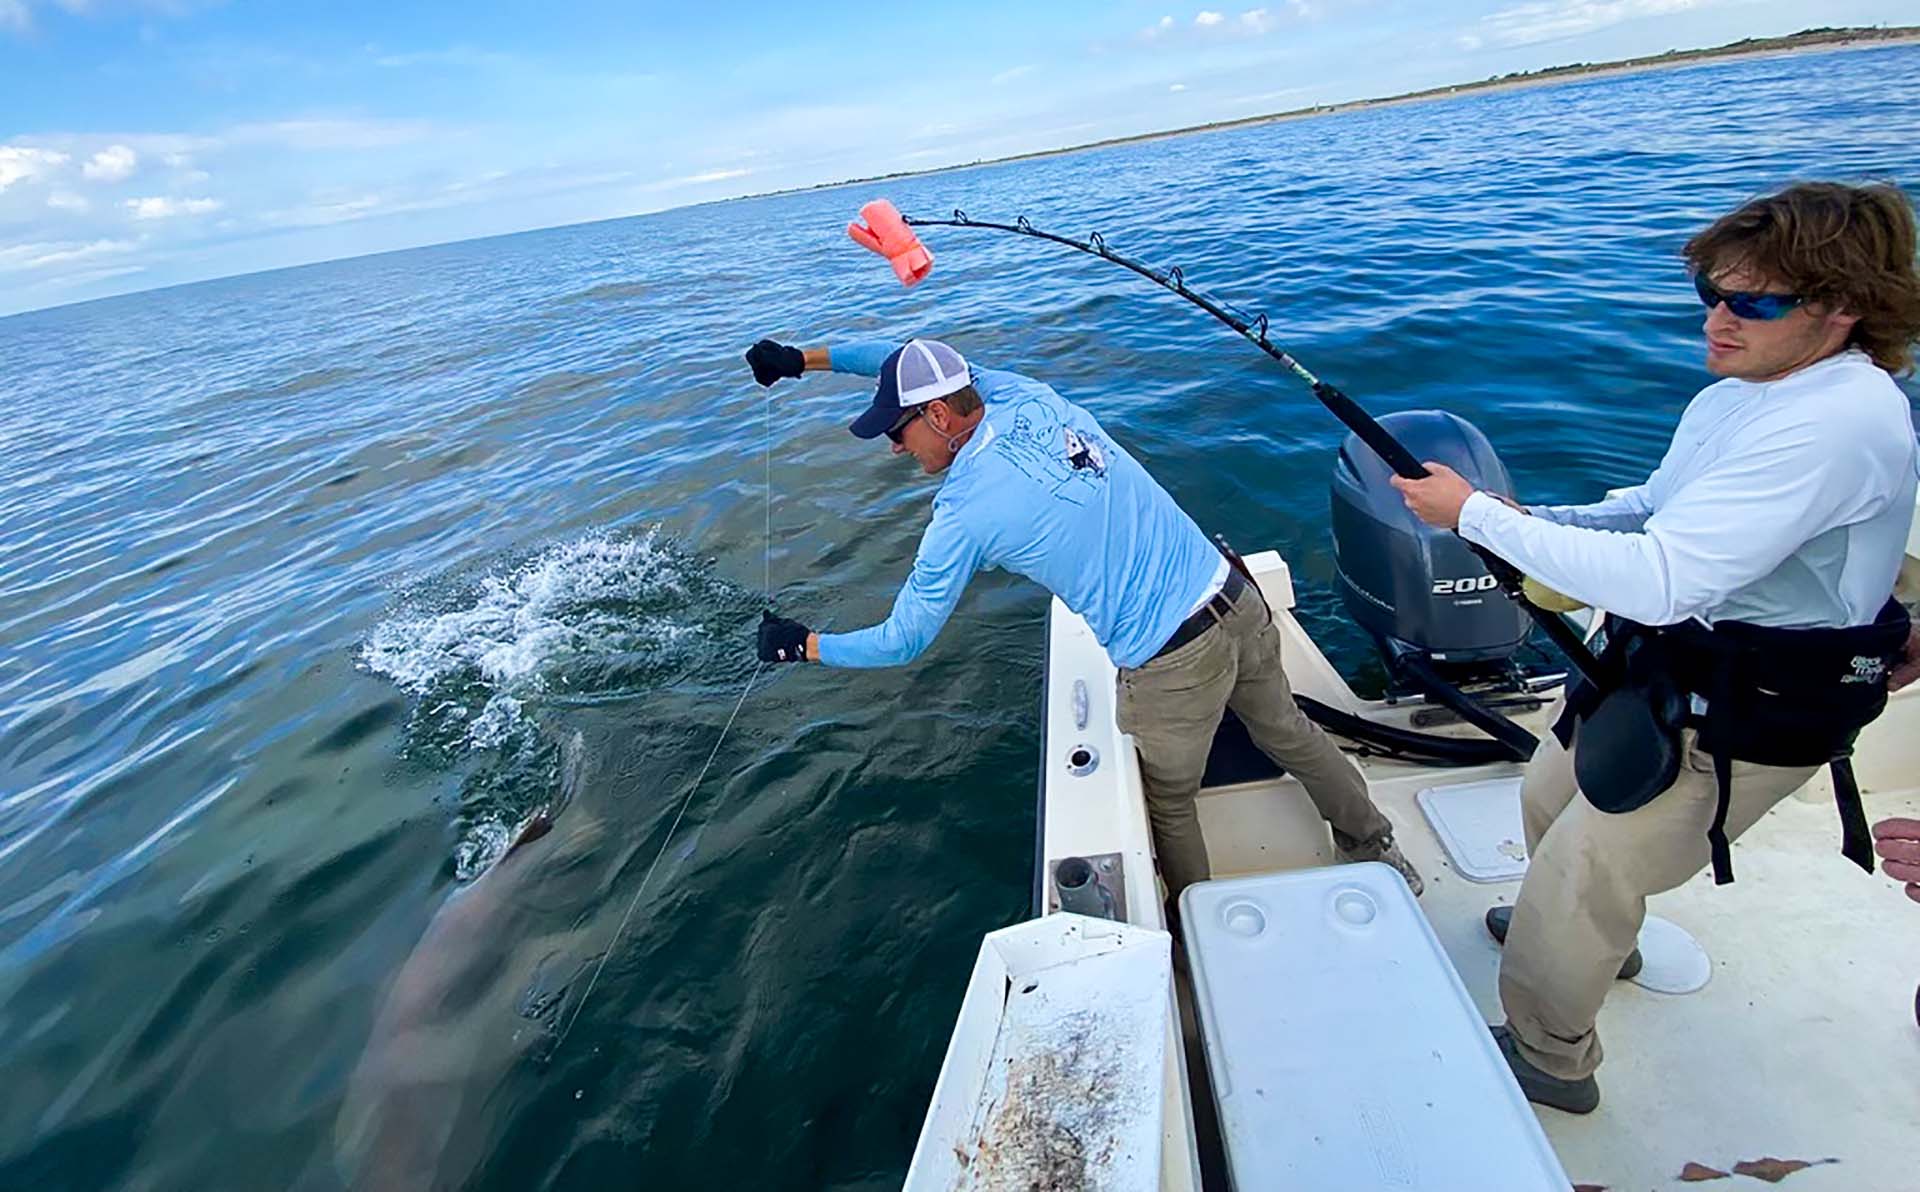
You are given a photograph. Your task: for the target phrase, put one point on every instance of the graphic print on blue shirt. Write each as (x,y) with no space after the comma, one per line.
(1070,462)
(1085,453)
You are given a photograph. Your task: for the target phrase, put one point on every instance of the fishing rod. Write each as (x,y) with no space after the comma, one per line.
(1254,329)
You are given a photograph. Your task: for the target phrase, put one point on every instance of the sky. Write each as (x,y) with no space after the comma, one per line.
(146,143)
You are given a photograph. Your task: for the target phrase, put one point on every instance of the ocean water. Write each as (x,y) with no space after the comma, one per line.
(318,586)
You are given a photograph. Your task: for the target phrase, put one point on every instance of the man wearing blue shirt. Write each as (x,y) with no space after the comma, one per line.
(1035,486)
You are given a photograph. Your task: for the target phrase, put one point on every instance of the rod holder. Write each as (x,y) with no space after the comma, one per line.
(1087,887)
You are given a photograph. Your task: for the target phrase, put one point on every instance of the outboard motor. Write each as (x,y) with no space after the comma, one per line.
(1421,592)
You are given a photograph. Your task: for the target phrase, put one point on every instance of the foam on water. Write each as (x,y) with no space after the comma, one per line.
(598,617)
(515,625)
(486,841)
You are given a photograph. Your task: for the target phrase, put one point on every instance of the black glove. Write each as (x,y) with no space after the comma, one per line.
(771,361)
(782,640)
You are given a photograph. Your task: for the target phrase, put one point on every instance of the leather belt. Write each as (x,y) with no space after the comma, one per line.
(1207,615)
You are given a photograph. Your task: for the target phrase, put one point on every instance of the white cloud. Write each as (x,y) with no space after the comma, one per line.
(61,200)
(69,280)
(325,211)
(335,206)
(86,146)
(115,163)
(326,133)
(17,15)
(703,178)
(1548,20)
(459,56)
(23,163)
(166,207)
(21,257)
(710,176)
(1213,23)
(1177,88)
(1012,73)
(476,182)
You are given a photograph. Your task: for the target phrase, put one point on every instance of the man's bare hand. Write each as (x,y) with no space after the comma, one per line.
(1898,843)
(1437,499)
(1908,668)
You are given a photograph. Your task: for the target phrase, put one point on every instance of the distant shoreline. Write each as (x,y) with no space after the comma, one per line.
(1807,40)
(1852,38)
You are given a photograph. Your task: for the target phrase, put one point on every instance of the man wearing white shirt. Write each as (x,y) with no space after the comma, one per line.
(1771,532)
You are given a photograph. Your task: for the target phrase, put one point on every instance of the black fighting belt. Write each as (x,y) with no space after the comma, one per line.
(1776,697)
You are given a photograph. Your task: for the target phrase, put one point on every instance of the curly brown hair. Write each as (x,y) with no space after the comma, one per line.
(1840,247)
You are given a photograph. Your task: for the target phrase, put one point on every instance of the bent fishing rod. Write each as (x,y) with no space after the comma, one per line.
(1254,329)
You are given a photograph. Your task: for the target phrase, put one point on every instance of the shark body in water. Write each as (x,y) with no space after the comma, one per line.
(417,1113)
(502,967)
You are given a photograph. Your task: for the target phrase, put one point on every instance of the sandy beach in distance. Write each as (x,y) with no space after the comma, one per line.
(1542,78)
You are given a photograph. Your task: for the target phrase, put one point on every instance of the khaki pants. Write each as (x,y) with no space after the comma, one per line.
(1585,893)
(1172,706)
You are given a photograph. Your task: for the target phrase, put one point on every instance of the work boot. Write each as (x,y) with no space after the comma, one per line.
(1499,918)
(1570,1096)
(1380,848)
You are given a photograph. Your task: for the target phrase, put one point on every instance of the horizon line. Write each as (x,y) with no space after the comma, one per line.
(1830,38)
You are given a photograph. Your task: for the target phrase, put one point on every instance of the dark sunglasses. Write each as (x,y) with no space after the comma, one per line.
(893,432)
(1765,307)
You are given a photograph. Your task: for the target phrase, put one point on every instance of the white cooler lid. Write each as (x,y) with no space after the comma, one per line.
(1343,1050)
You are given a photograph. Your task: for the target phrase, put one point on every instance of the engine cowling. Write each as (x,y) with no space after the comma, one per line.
(1415,588)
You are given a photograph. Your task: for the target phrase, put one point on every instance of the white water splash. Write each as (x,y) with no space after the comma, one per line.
(519,624)
(600,616)
(517,619)
(497,723)
(485,842)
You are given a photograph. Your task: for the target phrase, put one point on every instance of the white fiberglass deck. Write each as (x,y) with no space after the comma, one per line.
(1803,1044)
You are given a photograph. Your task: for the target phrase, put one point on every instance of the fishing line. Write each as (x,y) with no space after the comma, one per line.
(1254,329)
(614,944)
(620,932)
(766,583)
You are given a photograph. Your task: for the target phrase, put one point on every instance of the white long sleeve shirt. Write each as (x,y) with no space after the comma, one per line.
(1782,503)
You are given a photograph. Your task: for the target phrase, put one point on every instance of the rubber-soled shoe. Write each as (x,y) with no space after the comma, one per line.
(1381,848)
(1569,1096)
(1499,918)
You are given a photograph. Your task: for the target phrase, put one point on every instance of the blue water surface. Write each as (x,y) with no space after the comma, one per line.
(317,585)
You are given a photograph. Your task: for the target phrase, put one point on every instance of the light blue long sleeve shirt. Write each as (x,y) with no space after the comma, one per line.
(1042,491)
